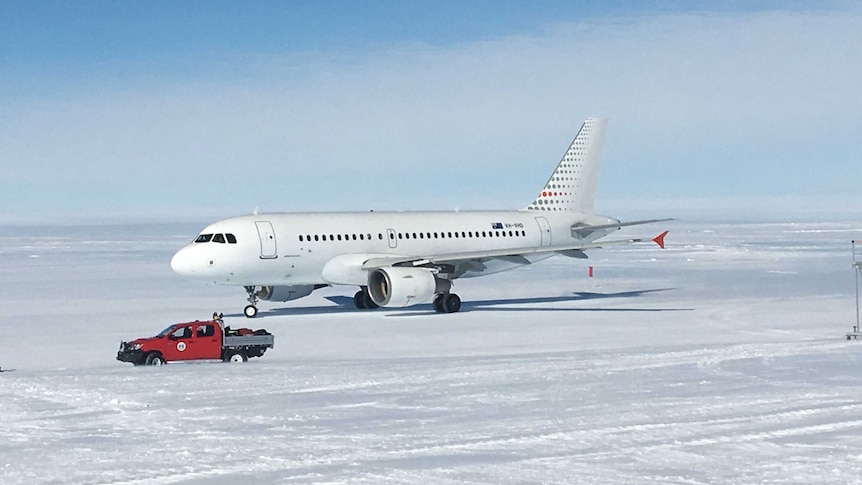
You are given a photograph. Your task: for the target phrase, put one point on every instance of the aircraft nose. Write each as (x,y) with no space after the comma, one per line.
(181,263)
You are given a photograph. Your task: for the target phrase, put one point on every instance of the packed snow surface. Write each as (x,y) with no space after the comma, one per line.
(721,359)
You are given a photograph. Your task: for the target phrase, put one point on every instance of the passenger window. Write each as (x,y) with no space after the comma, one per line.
(204,238)
(231,239)
(300,238)
(219,238)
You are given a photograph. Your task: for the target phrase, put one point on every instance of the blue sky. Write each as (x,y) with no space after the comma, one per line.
(221,107)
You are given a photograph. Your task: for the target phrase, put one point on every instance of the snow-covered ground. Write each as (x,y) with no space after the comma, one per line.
(719,360)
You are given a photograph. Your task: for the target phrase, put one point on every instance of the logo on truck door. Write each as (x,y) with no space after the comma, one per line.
(181,346)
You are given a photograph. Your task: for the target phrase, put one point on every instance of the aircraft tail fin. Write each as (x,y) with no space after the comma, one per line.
(572,186)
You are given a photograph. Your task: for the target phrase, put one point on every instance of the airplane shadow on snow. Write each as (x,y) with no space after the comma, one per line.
(345,305)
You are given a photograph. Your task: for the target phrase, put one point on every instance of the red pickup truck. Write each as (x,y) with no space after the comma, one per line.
(207,340)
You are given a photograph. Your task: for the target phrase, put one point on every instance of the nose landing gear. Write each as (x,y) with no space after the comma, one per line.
(251,309)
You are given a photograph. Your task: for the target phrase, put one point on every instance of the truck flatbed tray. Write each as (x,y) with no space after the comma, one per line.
(246,340)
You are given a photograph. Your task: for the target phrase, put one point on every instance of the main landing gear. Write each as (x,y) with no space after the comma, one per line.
(251,309)
(443,302)
(447,303)
(363,300)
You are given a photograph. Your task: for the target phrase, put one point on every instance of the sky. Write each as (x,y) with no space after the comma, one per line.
(220,108)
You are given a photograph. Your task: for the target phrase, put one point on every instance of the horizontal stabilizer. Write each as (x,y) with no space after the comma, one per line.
(660,239)
(584,231)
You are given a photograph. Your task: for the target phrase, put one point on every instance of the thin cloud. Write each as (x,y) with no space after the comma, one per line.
(699,104)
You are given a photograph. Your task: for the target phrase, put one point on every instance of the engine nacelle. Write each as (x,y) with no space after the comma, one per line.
(284,293)
(401,287)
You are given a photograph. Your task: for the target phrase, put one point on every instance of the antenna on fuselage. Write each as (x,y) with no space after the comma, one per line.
(254,212)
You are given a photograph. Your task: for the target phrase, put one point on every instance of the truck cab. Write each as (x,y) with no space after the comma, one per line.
(198,340)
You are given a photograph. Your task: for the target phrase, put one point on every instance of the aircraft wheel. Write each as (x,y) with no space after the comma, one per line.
(438,303)
(451,303)
(369,303)
(250,311)
(359,300)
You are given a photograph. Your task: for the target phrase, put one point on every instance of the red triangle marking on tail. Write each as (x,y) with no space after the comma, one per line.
(660,239)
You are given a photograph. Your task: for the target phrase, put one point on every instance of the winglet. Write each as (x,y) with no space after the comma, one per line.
(660,239)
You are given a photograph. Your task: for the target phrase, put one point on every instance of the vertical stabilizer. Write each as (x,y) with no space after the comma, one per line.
(572,186)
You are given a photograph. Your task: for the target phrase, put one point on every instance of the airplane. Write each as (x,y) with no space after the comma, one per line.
(400,259)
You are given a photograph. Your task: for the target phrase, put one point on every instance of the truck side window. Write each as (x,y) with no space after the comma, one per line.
(206,331)
(183,332)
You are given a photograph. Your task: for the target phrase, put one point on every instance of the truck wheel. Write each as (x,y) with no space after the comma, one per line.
(155,359)
(236,356)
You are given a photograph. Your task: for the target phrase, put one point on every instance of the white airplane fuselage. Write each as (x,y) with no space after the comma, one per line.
(301,248)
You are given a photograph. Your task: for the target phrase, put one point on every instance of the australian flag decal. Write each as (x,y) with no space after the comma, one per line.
(496,225)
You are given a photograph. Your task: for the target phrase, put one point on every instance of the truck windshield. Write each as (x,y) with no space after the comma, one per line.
(165,331)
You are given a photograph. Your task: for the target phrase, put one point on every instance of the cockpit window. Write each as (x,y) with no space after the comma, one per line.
(231,238)
(204,238)
(219,238)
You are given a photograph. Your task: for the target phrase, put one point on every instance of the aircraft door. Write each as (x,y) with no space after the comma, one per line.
(267,240)
(544,230)
(391,237)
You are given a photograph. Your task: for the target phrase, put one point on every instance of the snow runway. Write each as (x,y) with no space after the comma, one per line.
(719,360)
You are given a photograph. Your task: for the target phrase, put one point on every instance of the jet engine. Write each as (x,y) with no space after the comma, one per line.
(284,293)
(401,287)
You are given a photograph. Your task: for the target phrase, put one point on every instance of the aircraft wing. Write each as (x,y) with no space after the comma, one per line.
(575,249)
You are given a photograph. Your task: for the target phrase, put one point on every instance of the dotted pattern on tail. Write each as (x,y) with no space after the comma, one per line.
(572,186)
